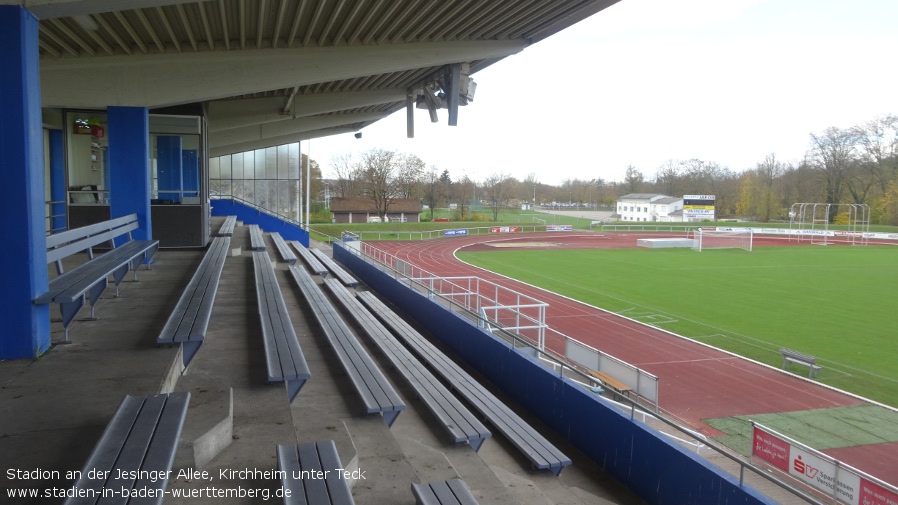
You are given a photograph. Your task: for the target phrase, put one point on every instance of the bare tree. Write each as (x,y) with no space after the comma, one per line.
(667,177)
(633,179)
(832,154)
(381,184)
(498,190)
(348,174)
(410,170)
(433,188)
(878,146)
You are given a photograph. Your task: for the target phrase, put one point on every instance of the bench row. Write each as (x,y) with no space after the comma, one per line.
(137,449)
(88,280)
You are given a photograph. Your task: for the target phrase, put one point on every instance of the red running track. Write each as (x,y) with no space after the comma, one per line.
(696,382)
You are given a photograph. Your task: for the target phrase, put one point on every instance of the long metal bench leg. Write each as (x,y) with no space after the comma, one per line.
(95,291)
(118,275)
(293,387)
(390,416)
(68,310)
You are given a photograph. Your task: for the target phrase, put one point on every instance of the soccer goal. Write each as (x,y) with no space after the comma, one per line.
(717,239)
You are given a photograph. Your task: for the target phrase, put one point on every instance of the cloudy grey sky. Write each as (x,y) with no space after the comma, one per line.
(645,81)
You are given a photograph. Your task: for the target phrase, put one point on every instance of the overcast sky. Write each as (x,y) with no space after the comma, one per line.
(645,81)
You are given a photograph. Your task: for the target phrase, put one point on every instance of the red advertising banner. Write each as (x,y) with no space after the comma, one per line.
(825,475)
(771,449)
(874,494)
(504,229)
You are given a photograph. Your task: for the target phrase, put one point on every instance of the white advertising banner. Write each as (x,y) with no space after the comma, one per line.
(818,471)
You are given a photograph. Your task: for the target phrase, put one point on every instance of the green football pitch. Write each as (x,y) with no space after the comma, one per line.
(838,303)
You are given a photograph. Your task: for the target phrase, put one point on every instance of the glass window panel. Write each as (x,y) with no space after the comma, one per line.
(283,170)
(239,190)
(214,172)
(271,163)
(272,192)
(249,165)
(293,160)
(260,196)
(236,166)
(225,167)
(259,156)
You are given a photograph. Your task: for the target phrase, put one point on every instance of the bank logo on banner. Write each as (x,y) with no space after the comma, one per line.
(828,477)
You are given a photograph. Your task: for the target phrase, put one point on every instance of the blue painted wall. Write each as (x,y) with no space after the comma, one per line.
(658,471)
(268,223)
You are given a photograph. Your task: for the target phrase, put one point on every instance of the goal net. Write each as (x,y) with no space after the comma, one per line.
(715,239)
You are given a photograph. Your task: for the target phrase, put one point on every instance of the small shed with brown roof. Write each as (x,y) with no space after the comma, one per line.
(361,210)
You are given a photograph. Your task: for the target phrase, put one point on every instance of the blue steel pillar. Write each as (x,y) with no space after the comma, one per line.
(23,257)
(58,191)
(128,130)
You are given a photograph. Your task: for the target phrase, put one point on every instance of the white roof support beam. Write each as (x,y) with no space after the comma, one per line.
(288,139)
(227,114)
(288,128)
(151,80)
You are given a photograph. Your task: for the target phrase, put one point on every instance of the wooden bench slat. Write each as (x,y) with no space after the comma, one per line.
(310,259)
(227,227)
(283,354)
(461,424)
(345,277)
(611,381)
(337,488)
(376,392)
(257,242)
(288,462)
(283,249)
(142,435)
(449,492)
(542,453)
(313,460)
(316,489)
(189,320)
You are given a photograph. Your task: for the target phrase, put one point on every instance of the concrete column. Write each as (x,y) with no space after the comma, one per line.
(57,180)
(23,257)
(129,166)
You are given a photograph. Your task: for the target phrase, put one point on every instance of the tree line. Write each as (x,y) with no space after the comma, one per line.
(856,165)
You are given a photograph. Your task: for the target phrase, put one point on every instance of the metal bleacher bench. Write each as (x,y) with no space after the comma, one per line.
(135,452)
(284,357)
(790,357)
(376,392)
(89,279)
(313,474)
(256,242)
(461,423)
(344,276)
(446,492)
(189,320)
(227,228)
(543,455)
(286,253)
(310,259)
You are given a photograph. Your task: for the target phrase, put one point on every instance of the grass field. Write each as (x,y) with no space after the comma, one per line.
(836,303)
(400,231)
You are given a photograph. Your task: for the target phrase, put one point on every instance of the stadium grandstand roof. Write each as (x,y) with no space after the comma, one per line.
(272,72)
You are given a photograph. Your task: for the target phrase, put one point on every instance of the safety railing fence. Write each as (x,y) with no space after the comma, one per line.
(55,209)
(401,234)
(259,208)
(456,301)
